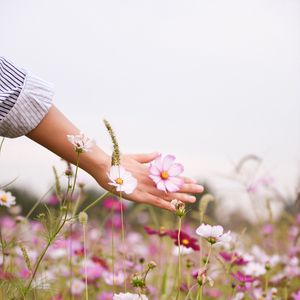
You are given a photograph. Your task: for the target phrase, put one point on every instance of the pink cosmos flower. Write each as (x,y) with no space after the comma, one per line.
(112,203)
(242,277)
(296,296)
(165,173)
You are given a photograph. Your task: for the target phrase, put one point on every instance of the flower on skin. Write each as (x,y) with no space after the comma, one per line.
(213,234)
(122,180)
(80,142)
(7,199)
(185,240)
(165,173)
(129,296)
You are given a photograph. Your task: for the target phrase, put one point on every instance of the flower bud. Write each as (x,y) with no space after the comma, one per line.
(83,218)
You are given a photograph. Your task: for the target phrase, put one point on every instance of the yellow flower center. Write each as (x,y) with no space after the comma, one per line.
(4,199)
(119,180)
(164,175)
(185,242)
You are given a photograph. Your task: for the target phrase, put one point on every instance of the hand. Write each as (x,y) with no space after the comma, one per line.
(146,191)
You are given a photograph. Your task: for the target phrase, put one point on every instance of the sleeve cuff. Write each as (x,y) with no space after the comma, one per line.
(32,105)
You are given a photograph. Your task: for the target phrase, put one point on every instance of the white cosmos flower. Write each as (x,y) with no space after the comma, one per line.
(122,179)
(254,269)
(111,279)
(80,142)
(7,199)
(183,250)
(77,287)
(213,234)
(129,296)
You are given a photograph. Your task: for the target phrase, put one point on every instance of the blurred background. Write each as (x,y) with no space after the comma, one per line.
(208,81)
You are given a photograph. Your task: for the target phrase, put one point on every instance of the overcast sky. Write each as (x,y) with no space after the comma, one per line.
(209,81)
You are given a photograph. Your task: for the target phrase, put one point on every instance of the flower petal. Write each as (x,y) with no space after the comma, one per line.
(161,185)
(167,162)
(153,170)
(175,169)
(156,179)
(177,181)
(217,231)
(171,187)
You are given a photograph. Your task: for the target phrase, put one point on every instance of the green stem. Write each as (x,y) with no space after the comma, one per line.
(179,259)
(123,241)
(96,201)
(113,247)
(71,228)
(85,260)
(52,238)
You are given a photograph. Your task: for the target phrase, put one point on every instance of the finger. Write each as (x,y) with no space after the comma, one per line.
(191,188)
(144,157)
(189,180)
(180,196)
(168,196)
(142,197)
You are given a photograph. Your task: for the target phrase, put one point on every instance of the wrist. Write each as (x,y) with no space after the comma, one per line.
(95,162)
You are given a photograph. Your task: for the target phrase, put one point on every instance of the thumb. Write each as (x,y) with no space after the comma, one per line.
(145,157)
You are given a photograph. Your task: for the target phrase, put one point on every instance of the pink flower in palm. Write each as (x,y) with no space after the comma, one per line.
(165,173)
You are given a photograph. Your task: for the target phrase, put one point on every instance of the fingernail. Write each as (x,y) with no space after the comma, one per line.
(193,180)
(192,198)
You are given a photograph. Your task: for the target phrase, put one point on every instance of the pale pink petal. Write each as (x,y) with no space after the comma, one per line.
(175,169)
(156,179)
(158,163)
(161,186)
(167,162)
(153,170)
(204,230)
(177,180)
(171,187)
(217,231)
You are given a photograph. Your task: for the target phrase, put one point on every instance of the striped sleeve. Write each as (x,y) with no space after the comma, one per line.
(25,99)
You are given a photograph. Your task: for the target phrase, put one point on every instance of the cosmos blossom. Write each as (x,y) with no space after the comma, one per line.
(233,258)
(129,296)
(7,199)
(165,173)
(160,232)
(80,142)
(122,180)
(185,240)
(213,234)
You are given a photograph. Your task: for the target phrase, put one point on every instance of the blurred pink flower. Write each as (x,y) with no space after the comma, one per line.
(267,229)
(77,287)
(112,203)
(233,258)
(165,173)
(53,200)
(296,296)
(105,296)
(239,276)
(25,273)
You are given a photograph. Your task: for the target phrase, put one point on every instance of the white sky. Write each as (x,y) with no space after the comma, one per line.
(209,81)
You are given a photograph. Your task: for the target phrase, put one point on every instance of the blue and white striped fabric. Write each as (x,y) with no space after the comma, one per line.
(24,100)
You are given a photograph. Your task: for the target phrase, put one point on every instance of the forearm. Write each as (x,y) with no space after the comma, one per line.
(52,134)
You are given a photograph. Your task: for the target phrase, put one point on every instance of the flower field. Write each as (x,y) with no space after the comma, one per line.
(66,247)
